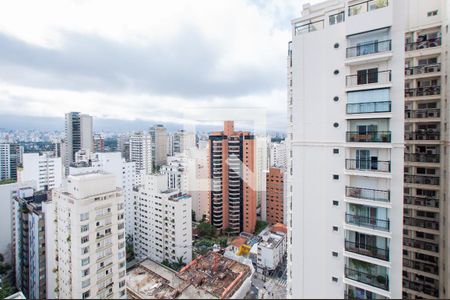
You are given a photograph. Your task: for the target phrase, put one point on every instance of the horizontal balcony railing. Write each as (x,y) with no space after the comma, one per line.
(302,28)
(422,179)
(368,165)
(421,287)
(422,157)
(427,246)
(380,77)
(428,224)
(420,266)
(426,202)
(422,69)
(423,113)
(369,137)
(366,6)
(369,107)
(375,280)
(368,222)
(369,48)
(423,91)
(368,194)
(367,250)
(431,43)
(423,136)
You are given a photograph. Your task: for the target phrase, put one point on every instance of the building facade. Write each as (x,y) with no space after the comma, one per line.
(275,196)
(44,169)
(159,145)
(99,143)
(10,159)
(141,152)
(79,136)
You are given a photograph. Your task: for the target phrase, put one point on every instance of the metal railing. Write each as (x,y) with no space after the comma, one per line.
(422,69)
(423,113)
(422,179)
(368,107)
(369,48)
(427,202)
(367,250)
(428,224)
(302,28)
(369,137)
(436,42)
(368,77)
(421,287)
(427,246)
(422,157)
(363,221)
(423,136)
(379,281)
(420,266)
(368,194)
(366,6)
(423,91)
(368,165)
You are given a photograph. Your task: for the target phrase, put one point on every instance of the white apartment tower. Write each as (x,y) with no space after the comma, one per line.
(159,145)
(44,169)
(346,143)
(278,154)
(141,152)
(85,239)
(163,221)
(79,136)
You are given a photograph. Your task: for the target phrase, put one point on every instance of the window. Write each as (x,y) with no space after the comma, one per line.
(85,261)
(367,76)
(337,18)
(335,151)
(334,279)
(84,239)
(335,254)
(335,203)
(335,177)
(84,217)
(335,228)
(85,273)
(432,13)
(84,228)
(85,283)
(86,294)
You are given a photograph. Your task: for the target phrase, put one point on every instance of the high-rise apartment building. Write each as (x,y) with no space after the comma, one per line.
(85,239)
(233,182)
(346,143)
(99,143)
(29,243)
(141,152)
(183,140)
(426,254)
(44,169)
(278,155)
(275,196)
(10,159)
(79,136)
(159,145)
(163,228)
(261,170)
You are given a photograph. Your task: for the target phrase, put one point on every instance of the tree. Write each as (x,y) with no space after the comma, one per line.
(206,230)
(260,225)
(6,290)
(228,231)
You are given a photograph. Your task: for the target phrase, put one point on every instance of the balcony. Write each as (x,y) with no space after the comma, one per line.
(436,42)
(420,179)
(367,250)
(378,281)
(423,91)
(368,222)
(368,107)
(420,266)
(368,165)
(427,224)
(369,48)
(423,136)
(422,157)
(423,113)
(369,137)
(366,6)
(426,202)
(302,28)
(427,246)
(421,287)
(368,78)
(367,194)
(422,69)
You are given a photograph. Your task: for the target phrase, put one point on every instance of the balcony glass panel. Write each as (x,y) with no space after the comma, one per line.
(377,100)
(367,77)
(367,216)
(367,273)
(353,292)
(371,164)
(302,28)
(369,43)
(422,69)
(368,245)
(369,194)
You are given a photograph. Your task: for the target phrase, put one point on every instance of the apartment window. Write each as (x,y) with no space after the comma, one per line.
(334,279)
(432,13)
(85,283)
(335,151)
(86,295)
(335,254)
(85,273)
(335,228)
(84,217)
(84,228)
(336,177)
(335,203)
(122,284)
(369,42)
(84,239)
(85,261)
(337,18)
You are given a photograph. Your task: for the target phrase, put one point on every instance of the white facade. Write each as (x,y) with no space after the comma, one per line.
(86,245)
(271,250)
(141,152)
(159,145)
(5,164)
(163,221)
(183,140)
(45,169)
(261,170)
(346,119)
(278,154)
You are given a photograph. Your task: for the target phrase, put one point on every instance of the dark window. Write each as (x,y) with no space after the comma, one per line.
(335,254)
(335,151)
(335,203)
(336,177)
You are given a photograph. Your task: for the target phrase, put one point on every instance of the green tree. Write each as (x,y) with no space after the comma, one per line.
(260,226)
(6,290)
(206,230)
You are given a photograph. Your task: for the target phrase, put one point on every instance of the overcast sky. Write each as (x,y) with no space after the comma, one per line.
(144,60)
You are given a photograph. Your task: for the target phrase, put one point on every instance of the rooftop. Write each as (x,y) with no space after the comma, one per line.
(271,239)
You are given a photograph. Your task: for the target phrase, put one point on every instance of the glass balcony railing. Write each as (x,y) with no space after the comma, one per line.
(366,6)
(422,179)
(419,201)
(431,43)
(423,136)
(416,222)
(369,48)
(368,222)
(368,165)
(375,280)
(302,28)
(367,250)
(423,91)
(427,246)
(368,107)
(422,157)
(423,113)
(367,194)
(368,78)
(369,137)
(422,69)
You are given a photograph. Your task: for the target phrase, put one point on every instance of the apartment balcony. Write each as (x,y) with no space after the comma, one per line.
(423,136)
(367,194)
(423,44)
(422,69)
(368,165)
(420,266)
(366,6)
(423,113)
(421,287)
(367,250)
(416,222)
(421,179)
(423,91)
(375,280)
(369,137)
(418,201)
(368,222)
(427,246)
(422,157)
(302,28)
(369,107)
(369,48)
(368,79)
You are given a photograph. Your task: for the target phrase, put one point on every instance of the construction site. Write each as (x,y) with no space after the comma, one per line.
(211,276)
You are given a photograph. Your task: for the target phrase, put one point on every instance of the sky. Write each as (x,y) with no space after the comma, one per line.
(148,60)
